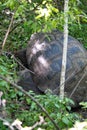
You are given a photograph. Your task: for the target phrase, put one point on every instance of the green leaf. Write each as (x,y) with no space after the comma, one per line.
(83,104)
(57,106)
(65,120)
(68,107)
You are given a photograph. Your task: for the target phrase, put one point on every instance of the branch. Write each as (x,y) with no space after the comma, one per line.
(21,64)
(7,33)
(18,24)
(32,98)
(78,84)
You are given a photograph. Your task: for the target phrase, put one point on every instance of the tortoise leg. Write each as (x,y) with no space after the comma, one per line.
(26,82)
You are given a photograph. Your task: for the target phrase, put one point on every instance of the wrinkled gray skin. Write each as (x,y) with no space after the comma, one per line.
(43,56)
(26,82)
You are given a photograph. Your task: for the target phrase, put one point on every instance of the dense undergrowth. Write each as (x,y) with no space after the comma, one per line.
(17,104)
(21,107)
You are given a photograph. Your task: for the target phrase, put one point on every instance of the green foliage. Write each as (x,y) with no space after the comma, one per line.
(8,69)
(35,16)
(83,5)
(45,17)
(2,127)
(29,114)
(79,32)
(84,105)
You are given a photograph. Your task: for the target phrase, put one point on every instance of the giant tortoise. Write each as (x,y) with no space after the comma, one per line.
(43,56)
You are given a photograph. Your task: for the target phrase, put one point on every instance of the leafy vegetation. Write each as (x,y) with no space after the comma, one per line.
(45,17)
(59,110)
(30,17)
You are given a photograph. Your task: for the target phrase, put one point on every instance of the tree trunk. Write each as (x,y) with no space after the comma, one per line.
(64,58)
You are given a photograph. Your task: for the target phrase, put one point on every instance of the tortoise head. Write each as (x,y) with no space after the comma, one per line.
(21,54)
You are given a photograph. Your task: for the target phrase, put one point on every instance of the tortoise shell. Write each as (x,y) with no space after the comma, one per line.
(44,58)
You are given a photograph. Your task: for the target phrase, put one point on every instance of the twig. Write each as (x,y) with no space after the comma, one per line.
(22,64)
(38,123)
(16,26)
(5,122)
(32,98)
(7,33)
(78,84)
